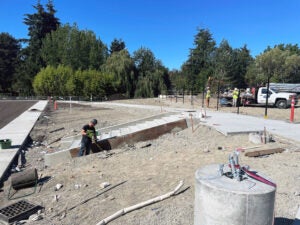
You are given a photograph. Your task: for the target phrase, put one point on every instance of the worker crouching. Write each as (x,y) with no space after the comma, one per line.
(88,133)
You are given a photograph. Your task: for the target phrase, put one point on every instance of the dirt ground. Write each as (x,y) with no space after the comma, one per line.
(146,169)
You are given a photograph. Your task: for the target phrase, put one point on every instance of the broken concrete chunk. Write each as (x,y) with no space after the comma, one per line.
(35,217)
(104,184)
(58,186)
(255,138)
(55,198)
(77,186)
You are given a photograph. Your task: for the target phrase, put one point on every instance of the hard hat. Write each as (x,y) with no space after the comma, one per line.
(94,121)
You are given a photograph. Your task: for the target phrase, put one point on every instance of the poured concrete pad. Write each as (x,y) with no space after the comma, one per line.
(232,123)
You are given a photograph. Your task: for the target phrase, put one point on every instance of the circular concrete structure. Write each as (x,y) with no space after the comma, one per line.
(220,200)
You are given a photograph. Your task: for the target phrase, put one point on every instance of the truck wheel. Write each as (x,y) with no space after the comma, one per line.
(281,104)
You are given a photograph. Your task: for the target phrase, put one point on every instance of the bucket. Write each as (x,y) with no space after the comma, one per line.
(5,143)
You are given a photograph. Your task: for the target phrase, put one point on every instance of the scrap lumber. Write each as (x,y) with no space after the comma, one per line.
(52,131)
(264,152)
(140,205)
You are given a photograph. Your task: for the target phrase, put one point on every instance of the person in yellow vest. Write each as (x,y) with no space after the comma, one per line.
(207,97)
(235,95)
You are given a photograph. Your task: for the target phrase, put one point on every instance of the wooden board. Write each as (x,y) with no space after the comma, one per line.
(264,152)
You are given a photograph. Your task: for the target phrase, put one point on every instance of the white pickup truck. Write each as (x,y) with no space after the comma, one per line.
(281,100)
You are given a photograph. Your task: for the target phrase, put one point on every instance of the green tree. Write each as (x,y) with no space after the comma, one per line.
(75,84)
(9,57)
(271,63)
(254,76)
(223,63)
(50,81)
(75,48)
(121,65)
(98,84)
(116,46)
(153,77)
(39,24)
(178,80)
(200,61)
(241,60)
(292,69)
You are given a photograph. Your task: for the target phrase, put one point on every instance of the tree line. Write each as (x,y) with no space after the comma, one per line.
(62,60)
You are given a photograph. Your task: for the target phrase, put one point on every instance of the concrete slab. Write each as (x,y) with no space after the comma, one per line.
(228,123)
(232,123)
(18,131)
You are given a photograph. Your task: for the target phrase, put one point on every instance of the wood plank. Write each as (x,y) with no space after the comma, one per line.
(264,152)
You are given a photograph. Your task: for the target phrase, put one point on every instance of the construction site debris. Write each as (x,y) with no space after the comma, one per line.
(87,200)
(260,137)
(264,152)
(58,186)
(56,140)
(140,205)
(26,178)
(104,184)
(56,198)
(58,129)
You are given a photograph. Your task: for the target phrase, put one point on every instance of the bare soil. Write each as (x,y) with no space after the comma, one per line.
(146,172)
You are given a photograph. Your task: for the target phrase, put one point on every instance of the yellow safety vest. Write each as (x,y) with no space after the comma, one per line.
(235,94)
(208,94)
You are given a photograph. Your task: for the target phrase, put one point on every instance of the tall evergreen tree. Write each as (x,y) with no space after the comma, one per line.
(39,24)
(223,63)
(9,52)
(199,64)
(116,46)
(241,60)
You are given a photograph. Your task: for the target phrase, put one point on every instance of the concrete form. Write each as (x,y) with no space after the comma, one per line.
(18,131)
(112,137)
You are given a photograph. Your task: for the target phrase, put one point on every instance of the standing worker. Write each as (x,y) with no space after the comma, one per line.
(88,133)
(235,95)
(207,97)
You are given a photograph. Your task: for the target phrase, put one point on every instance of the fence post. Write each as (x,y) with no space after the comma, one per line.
(292,109)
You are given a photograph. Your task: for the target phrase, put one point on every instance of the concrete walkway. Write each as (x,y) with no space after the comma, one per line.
(17,131)
(232,123)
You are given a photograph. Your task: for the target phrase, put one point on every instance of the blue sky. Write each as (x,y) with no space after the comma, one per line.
(168,27)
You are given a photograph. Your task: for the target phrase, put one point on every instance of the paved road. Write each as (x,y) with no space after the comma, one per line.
(10,109)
